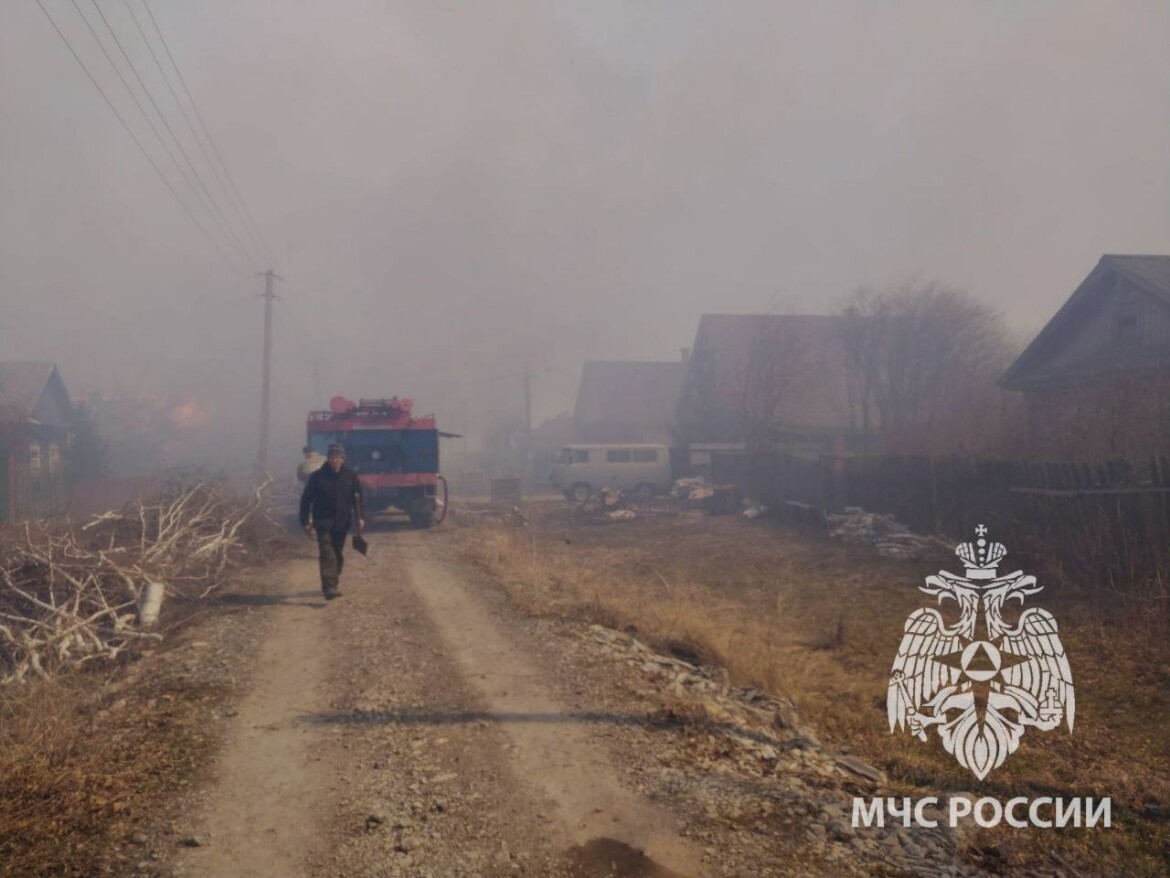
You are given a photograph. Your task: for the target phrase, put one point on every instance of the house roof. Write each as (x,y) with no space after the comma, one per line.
(632,393)
(32,392)
(1148,273)
(820,400)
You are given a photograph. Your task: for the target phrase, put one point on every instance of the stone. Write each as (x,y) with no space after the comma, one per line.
(861,769)
(404,845)
(841,829)
(798,743)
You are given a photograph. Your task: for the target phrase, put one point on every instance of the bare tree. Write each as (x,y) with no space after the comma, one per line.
(923,361)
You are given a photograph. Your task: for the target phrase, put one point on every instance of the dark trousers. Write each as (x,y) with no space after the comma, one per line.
(330,543)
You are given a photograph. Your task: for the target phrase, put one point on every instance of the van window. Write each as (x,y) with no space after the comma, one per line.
(645,455)
(618,455)
(580,455)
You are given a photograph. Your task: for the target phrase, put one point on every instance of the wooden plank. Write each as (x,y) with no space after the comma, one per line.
(1074,492)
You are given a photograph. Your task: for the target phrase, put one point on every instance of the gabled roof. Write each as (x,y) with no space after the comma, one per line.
(33,392)
(1149,273)
(821,401)
(633,393)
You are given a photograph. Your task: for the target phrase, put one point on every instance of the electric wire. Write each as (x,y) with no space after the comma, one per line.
(113,109)
(141,109)
(210,199)
(231,202)
(207,133)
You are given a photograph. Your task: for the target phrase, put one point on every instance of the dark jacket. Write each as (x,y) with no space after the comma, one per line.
(331,498)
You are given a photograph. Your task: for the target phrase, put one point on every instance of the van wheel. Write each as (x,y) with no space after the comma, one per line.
(581,492)
(644,493)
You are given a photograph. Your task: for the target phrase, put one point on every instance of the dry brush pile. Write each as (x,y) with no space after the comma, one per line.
(70,595)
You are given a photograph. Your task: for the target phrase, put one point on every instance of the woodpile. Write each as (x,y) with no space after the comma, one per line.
(73,595)
(606,504)
(891,538)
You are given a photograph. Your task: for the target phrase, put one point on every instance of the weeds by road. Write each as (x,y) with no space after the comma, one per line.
(820,622)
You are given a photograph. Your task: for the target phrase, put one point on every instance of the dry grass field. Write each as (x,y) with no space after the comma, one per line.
(820,622)
(80,770)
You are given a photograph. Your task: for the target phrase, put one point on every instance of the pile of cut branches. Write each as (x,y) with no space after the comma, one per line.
(73,595)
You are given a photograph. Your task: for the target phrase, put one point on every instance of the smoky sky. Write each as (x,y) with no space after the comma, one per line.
(454,191)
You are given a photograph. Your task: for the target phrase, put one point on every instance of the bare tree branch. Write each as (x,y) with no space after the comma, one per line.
(69,596)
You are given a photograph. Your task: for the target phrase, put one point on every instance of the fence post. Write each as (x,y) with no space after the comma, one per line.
(933,496)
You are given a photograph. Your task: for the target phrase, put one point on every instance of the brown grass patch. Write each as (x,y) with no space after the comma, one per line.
(821,623)
(81,772)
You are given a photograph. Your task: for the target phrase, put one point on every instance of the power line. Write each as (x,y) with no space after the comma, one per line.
(233,206)
(137,103)
(207,133)
(150,97)
(113,109)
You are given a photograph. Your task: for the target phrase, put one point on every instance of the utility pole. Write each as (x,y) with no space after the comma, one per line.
(527,423)
(268,296)
(317,381)
(528,402)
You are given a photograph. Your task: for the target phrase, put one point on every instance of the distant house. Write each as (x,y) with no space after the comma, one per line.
(547,440)
(627,401)
(770,381)
(1096,379)
(35,414)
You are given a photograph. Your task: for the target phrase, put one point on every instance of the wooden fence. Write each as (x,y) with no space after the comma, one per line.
(1106,524)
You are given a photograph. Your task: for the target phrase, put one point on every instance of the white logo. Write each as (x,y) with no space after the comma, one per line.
(980,686)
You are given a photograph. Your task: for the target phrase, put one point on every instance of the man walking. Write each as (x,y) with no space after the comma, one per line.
(329,503)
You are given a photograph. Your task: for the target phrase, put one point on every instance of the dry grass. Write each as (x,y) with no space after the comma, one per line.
(89,755)
(821,622)
(80,773)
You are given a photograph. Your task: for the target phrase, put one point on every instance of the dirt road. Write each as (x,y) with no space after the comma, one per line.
(421,726)
(401,729)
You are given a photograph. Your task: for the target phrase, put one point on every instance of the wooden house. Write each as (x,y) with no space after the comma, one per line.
(35,433)
(627,401)
(1096,379)
(765,381)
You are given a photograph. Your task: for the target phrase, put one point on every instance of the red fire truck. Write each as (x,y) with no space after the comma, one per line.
(395,454)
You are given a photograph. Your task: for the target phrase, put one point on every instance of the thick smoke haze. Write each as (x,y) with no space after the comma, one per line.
(453,190)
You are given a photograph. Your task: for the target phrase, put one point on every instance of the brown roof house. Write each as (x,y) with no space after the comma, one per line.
(35,432)
(628,401)
(767,381)
(1096,379)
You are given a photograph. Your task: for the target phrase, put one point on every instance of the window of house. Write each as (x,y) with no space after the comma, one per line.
(618,455)
(54,459)
(34,459)
(645,455)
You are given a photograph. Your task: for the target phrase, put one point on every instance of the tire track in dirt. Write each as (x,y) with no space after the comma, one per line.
(262,816)
(551,748)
